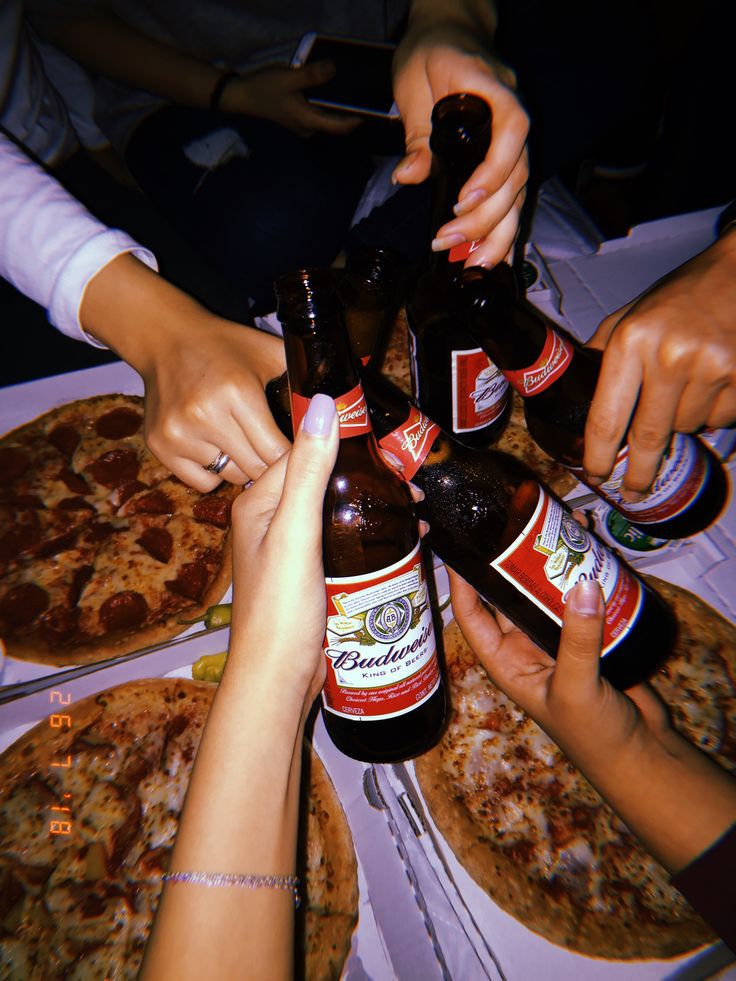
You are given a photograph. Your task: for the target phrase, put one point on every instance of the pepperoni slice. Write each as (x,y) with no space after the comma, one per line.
(191,582)
(115,467)
(125,491)
(156,502)
(123,611)
(59,543)
(98,532)
(213,511)
(118,423)
(18,540)
(74,504)
(73,481)
(65,438)
(22,604)
(158,543)
(13,463)
(59,624)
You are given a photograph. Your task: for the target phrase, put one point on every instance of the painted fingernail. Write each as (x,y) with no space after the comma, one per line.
(447,241)
(593,481)
(417,492)
(319,415)
(587,598)
(470,201)
(423,527)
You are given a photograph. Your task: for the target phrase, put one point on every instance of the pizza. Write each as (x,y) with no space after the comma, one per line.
(78,888)
(102,549)
(514,439)
(537,837)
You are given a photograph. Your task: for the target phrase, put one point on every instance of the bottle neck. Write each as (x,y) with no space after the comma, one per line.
(517,337)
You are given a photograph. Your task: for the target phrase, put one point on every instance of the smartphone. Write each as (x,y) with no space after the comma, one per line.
(362,80)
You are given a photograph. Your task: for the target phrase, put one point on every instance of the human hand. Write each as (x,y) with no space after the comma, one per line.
(279,600)
(205,393)
(431,62)
(278,94)
(669,365)
(567,697)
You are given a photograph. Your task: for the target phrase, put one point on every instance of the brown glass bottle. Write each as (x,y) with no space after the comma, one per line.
(384,698)
(556,376)
(453,380)
(483,505)
(370,288)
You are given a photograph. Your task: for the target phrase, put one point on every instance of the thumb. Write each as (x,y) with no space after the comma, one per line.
(579,653)
(311,462)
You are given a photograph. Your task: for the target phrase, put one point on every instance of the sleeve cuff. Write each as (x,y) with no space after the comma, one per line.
(68,290)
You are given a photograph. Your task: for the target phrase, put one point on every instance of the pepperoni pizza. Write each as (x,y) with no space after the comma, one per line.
(102,549)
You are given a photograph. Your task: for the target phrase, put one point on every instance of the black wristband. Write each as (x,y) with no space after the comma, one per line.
(726,219)
(220,85)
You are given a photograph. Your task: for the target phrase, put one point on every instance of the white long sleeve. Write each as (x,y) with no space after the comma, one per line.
(50,245)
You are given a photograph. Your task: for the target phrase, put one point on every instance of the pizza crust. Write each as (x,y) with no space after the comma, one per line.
(699,684)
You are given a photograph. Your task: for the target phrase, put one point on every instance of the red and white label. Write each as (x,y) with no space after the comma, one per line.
(552,362)
(479,390)
(680,479)
(379,644)
(352,412)
(459,253)
(553,553)
(411,442)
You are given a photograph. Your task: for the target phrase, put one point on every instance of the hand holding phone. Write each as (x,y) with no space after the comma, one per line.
(362,80)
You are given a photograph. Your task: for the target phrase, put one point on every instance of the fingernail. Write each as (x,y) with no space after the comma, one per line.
(470,201)
(447,241)
(631,496)
(593,481)
(587,598)
(319,415)
(405,164)
(418,492)
(423,527)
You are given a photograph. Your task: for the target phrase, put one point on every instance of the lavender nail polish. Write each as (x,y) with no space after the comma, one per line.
(319,415)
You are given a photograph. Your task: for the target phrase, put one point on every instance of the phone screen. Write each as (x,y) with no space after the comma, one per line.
(362,79)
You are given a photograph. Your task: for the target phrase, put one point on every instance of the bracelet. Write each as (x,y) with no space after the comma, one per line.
(220,85)
(290,882)
(726,219)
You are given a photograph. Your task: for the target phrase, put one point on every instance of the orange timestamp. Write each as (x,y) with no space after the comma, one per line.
(61,720)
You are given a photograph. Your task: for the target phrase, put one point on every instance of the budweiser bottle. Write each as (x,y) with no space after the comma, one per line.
(453,379)
(384,697)
(515,542)
(556,377)
(371,291)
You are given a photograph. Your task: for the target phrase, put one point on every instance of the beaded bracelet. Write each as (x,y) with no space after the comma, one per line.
(222,82)
(290,882)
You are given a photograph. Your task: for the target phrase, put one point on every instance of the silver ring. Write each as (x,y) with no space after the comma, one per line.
(219,463)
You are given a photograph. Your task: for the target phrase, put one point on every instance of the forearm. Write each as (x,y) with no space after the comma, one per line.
(674,798)
(106,46)
(240,816)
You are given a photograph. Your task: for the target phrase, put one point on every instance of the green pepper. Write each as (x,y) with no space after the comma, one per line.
(215,616)
(209,667)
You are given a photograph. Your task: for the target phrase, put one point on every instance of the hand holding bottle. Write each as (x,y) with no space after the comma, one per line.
(446,50)
(669,366)
(622,743)
(277,556)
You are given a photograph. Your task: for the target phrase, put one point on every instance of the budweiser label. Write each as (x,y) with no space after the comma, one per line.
(553,553)
(459,253)
(379,644)
(410,443)
(352,412)
(479,390)
(552,362)
(681,477)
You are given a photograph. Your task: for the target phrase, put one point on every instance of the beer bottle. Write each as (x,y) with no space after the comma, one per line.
(515,542)
(384,697)
(453,380)
(556,376)
(371,291)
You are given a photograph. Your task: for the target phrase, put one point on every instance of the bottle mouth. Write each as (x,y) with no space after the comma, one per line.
(462,119)
(305,294)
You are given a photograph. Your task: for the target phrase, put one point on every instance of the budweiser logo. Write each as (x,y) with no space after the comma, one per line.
(557,360)
(415,436)
(354,414)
